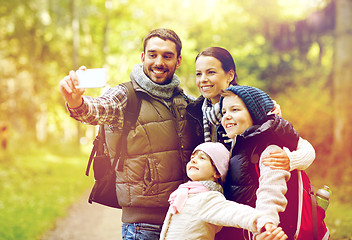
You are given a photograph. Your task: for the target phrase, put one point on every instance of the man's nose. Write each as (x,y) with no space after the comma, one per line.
(159,61)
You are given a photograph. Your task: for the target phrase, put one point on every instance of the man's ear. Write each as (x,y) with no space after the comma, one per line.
(179,60)
(142,57)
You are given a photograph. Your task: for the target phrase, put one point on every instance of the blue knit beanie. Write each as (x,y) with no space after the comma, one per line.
(258,103)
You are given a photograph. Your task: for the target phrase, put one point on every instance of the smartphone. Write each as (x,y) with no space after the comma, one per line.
(91,78)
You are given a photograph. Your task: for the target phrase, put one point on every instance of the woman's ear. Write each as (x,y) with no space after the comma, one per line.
(230,75)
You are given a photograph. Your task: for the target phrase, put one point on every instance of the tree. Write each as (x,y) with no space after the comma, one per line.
(343,83)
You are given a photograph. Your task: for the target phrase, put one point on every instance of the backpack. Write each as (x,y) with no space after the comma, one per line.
(104,188)
(302,219)
(303,206)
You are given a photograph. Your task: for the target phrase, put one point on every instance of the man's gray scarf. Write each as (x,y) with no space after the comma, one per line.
(164,91)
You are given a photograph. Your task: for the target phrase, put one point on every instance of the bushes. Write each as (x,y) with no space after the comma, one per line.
(309,109)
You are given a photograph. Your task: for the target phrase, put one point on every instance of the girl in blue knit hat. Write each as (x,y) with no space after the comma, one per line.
(255,133)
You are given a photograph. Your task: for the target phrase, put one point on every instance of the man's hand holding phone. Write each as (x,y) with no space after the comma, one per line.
(73,86)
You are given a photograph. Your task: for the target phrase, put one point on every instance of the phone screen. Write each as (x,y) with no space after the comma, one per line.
(92,78)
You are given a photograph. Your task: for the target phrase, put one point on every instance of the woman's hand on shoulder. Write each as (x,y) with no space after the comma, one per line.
(277,159)
(276,110)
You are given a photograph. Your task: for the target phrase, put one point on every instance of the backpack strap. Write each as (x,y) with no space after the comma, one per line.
(130,117)
(314,213)
(182,93)
(98,147)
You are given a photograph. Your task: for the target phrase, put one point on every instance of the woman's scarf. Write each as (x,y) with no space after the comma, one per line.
(164,91)
(178,198)
(211,116)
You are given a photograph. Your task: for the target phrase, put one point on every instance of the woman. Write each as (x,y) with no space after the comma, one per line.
(215,71)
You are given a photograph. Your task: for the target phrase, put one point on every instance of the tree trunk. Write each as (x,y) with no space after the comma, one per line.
(108,4)
(342,145)
(75,55)
(75,34)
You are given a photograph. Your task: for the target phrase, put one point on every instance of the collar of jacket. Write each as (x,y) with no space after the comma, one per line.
(195,109)
(273,127)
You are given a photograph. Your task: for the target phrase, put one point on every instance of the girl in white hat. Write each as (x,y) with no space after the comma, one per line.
(198,208)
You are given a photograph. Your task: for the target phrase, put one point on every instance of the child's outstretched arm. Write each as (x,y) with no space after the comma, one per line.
(271,191)
(215,209)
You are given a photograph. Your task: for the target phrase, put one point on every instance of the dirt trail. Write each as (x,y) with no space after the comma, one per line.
(87,221)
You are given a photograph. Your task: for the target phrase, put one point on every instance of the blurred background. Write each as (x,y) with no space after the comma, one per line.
(299,51)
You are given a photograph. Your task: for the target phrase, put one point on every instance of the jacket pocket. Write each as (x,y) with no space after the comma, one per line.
(149,179)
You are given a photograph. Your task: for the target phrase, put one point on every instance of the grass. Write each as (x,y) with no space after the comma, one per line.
(36,187)
(339,215)
(339,220)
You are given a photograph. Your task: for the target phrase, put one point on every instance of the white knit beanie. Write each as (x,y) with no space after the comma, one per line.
(218,154)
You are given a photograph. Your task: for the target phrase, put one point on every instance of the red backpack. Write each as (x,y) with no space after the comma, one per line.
(303,219)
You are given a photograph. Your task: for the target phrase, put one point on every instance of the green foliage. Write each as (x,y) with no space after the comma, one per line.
(37,48)
(273,42)
(339,221)
(339,213)
(309,109)
(37,186)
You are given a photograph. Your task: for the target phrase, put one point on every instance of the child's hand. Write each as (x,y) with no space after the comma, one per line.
(272,233)
(277,159)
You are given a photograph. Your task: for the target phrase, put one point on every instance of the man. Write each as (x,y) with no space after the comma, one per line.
(162,141)
(160,145)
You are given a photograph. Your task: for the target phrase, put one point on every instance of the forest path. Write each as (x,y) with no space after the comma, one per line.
(87,221)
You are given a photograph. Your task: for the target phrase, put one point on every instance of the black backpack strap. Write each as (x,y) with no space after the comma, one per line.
(98,147)
(92,154)
(130,117)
